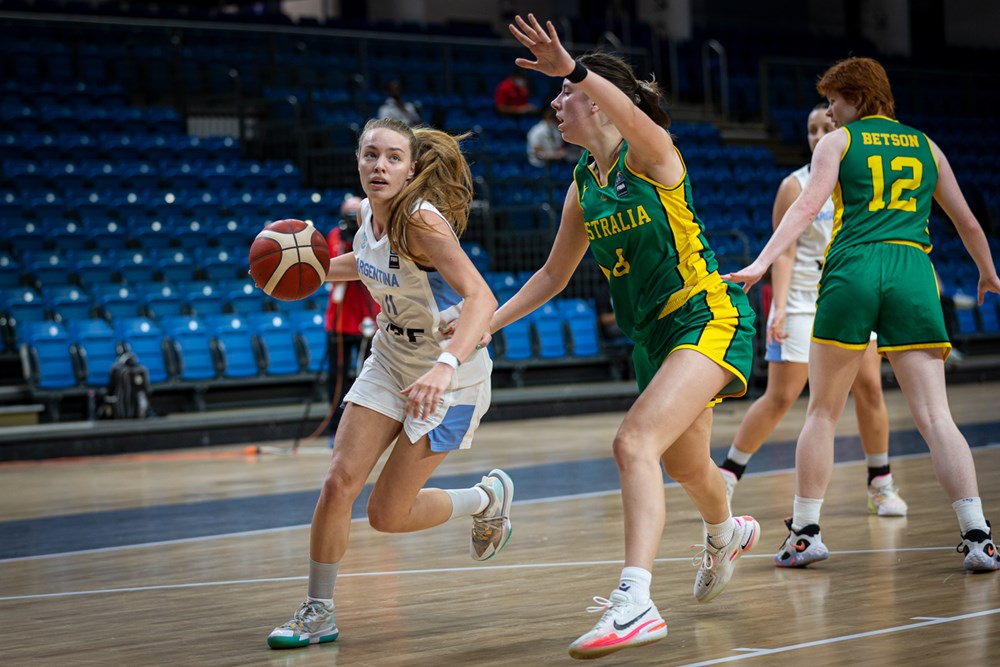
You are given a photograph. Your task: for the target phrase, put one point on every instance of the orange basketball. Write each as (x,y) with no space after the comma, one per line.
(289,259)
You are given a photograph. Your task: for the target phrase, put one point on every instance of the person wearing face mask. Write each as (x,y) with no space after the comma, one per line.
(795,281)
(421,394)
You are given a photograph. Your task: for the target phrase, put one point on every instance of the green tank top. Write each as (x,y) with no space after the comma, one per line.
(887,179)
(647,239)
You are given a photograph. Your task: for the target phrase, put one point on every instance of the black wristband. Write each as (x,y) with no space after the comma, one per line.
(578,74)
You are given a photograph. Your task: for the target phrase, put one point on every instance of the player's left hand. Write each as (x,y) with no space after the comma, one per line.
(423,397)
(551,58)
(988,284)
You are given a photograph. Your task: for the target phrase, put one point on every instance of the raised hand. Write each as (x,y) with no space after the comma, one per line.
(551,58)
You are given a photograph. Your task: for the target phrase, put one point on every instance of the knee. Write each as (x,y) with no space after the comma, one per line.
(339,489)
(630,450)
(867,394)
(783,399)
(383,518)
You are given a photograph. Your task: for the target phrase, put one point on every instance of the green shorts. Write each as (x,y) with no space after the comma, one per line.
(717,322)
(889,288)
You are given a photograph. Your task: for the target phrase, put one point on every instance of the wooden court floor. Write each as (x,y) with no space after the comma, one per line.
(83,583)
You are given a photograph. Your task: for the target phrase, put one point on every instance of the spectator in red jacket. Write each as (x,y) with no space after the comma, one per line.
(511,96)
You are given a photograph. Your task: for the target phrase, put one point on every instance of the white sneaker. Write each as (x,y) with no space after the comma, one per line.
(716,564)
(312,624)
(729,477)
(491,528)
(623,625)
(883,497)
(980,553)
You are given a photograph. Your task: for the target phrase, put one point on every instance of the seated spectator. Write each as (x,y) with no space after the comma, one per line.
(395,107)
(511,95)
(545,142)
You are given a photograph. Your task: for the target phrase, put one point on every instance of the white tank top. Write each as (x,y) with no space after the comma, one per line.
(414,302)
(811,247)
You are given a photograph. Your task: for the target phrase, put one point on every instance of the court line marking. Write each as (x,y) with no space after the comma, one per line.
(533,501)
(436,570)
(843,638)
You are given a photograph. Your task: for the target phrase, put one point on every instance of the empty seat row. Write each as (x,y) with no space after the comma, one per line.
(176,350)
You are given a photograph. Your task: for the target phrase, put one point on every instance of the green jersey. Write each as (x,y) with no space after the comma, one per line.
(647,239)
(887,179)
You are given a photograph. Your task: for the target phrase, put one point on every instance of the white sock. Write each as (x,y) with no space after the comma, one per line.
(970,514)
(877,460)
(737,456)
(720,534)
(635,582)
(466,502)
(805,511)
(322,577)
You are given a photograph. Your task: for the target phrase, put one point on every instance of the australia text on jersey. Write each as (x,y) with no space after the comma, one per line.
(616,223)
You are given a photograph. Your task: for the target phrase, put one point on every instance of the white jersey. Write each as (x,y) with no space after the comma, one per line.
(811,247)
(414,302)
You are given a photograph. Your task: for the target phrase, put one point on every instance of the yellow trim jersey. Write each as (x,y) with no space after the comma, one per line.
(648,240)
(886,183)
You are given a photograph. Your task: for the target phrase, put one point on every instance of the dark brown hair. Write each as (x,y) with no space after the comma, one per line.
(647,95)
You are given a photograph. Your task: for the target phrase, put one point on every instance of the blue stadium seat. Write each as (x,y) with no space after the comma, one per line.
(581,322)
(192,346)
(176,265)
(11,271)
(117,300)
(144,339)
(136,266)
(517,340)
(279,351)
(47,355)
(989,313)
(548,325)
(221,263)
(21,306)
(68,302)
(246,298)
(236,344)
(204,299)
(309,326)
(50,267)
(163,300)
(97,349)
(966,320)
(95,267)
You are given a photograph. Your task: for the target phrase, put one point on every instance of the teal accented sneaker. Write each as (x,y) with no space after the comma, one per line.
(491,528)
(312,624)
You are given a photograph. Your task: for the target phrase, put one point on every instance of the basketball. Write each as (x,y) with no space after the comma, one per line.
(289,259)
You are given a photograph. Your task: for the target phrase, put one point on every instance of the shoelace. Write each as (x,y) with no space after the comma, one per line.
(703,557)
(483,529)
(603,604)
(306,613)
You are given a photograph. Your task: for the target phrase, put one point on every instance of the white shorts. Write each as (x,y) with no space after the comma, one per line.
(449,427)
(795,348)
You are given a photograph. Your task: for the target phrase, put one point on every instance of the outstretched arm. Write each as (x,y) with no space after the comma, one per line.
(950,197)
(649,144)
(568,249)
(823,172)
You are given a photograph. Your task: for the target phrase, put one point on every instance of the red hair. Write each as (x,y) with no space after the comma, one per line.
(863,82)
